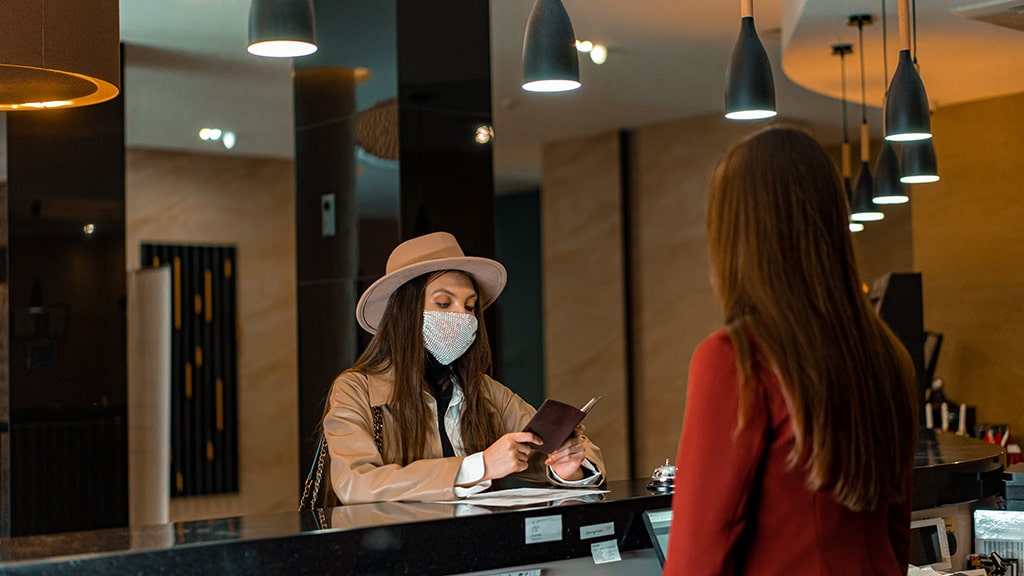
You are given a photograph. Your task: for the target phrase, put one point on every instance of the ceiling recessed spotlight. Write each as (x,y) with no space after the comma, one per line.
(89,229)
(228,139)
(210,134)
(584,45)
(599,54)
(484,133)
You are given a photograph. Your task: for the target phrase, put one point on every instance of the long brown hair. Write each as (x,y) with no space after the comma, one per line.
(783,266)
(398,346)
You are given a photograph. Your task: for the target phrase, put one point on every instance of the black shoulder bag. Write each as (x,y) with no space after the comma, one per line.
(313,493)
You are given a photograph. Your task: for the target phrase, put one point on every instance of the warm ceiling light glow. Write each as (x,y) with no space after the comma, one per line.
(229,140)
(599,54)
(42,105)
(551,85)
(484,133)
(584,45)
(282,49)
(856,227)
(89,229)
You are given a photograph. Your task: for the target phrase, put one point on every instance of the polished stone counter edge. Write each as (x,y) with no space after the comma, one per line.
(463,544)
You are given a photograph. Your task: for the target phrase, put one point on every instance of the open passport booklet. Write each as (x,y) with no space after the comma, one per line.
(555,421)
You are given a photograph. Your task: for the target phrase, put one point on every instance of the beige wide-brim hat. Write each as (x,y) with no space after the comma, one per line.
(422,255)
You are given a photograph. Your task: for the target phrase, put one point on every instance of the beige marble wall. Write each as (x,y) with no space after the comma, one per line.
(249,203)
(674,306)
(584,330)
(969,246)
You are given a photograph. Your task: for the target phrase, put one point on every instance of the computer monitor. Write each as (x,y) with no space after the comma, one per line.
(929,545)
(658,522)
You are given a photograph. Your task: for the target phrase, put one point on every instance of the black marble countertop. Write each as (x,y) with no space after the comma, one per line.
(383,538)
(951,469)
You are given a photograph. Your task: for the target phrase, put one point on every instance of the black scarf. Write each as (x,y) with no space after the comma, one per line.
(440,377)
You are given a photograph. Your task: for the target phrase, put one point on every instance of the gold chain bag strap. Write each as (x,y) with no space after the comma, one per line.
(311,494)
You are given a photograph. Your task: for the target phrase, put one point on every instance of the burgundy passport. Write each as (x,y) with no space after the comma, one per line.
(555,421)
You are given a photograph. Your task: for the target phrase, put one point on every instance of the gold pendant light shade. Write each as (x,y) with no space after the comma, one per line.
(59,53)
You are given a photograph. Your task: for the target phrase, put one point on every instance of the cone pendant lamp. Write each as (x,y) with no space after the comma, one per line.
(919,165)
(551,62)
(906,116)
(862,208)
(282,28)
(888,187)
(749,86)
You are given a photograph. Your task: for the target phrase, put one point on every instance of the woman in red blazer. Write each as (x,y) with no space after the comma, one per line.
(798,440)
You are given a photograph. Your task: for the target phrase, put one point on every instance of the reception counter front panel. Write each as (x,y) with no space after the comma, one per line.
(385,538)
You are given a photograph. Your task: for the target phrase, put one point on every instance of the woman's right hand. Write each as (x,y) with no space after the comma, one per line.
(508,455)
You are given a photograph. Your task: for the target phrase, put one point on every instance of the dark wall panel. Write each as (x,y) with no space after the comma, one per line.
(67,319)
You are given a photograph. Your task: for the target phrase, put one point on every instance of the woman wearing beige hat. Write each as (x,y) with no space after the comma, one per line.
(417,417)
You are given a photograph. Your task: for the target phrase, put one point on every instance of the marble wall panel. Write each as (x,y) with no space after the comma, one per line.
(674,306)
(249,203)
(584,319)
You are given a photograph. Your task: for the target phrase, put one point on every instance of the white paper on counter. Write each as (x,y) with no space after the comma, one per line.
(522,496)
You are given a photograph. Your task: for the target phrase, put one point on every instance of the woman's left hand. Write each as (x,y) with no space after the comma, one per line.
(566,461)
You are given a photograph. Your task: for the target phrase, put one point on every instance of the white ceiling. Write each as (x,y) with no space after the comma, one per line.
(186,67)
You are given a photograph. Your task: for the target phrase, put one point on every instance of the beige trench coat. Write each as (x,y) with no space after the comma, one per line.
(359,473)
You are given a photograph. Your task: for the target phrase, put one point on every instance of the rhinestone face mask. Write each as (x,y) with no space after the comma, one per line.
(447,335)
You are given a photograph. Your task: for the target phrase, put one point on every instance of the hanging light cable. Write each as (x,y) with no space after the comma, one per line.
(282,28)
(842,50)
(906,117)
(888,187)
(862,208)
(749,86)
(551,62)
(919,165)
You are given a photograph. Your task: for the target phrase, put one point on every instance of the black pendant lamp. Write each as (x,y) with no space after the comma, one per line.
(888,182)
(550,60)
(919,165)
(888,187)
(907,117)
(842,50)
(863,209)
(749,86)
(282,28)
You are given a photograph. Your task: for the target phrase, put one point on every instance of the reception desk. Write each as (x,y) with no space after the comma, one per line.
(385,538)
(952,474)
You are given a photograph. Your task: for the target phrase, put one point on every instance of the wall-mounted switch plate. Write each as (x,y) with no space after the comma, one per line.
(327,217)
